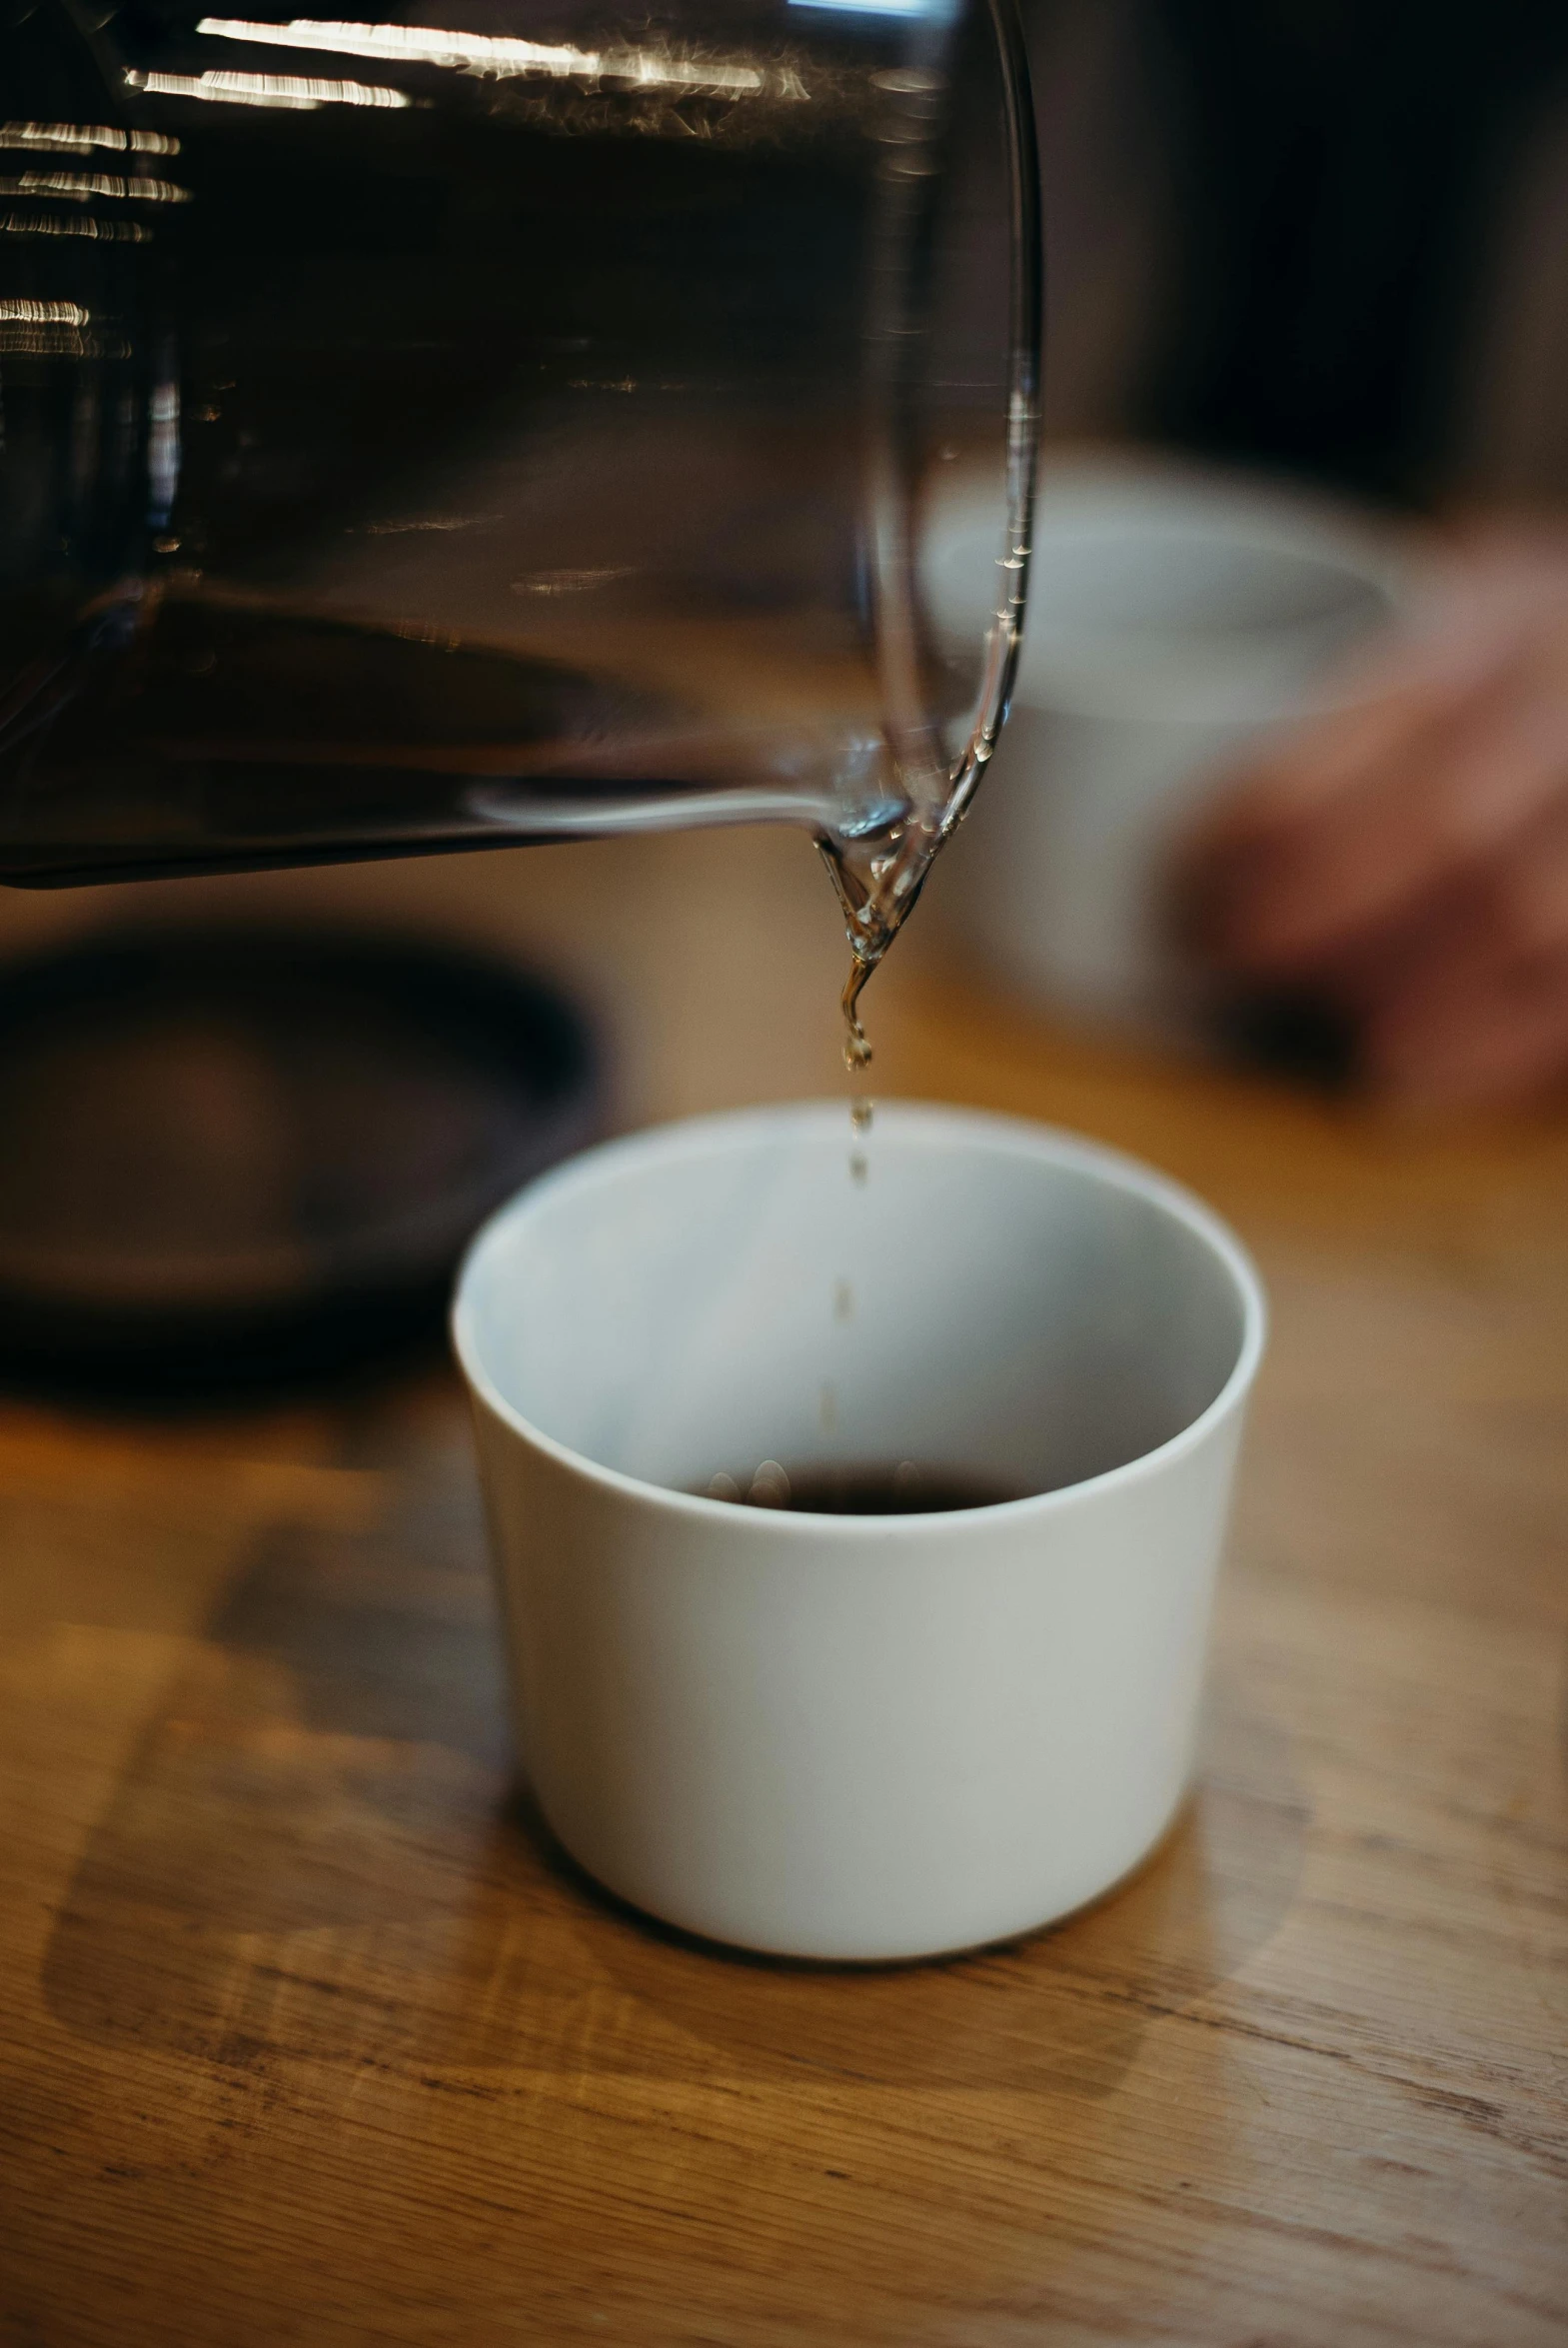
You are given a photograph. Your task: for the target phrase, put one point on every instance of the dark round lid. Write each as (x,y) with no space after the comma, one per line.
(232,1157)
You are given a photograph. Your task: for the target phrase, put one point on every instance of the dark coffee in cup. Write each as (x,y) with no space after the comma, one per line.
(900,1487)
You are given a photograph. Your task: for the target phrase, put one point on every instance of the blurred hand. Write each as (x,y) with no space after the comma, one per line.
(1406,857)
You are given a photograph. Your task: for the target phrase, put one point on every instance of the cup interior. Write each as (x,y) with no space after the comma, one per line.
(989,1298)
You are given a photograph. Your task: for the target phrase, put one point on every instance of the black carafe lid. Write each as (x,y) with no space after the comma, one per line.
(235,1158)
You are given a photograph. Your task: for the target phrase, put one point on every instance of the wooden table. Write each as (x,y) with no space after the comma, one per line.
(305,2037)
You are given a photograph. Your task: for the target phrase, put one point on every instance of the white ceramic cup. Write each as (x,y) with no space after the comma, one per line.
(856,1736)
(1174,618)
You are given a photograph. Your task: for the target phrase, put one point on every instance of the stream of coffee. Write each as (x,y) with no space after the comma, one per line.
(880,873)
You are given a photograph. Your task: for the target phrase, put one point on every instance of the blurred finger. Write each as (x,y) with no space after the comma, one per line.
(1506,1041)
(1496,955)
(1466,635)
(1443,797)
(1327,757)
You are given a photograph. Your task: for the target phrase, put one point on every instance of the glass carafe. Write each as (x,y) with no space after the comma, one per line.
(507,426)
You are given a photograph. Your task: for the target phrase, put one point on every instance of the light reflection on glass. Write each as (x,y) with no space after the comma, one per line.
(80,187)
(163,451)
(263,89)
(46,224)
(50,330)
(495,54)
(440,522)
(45,313)
(79,134)
(573,582)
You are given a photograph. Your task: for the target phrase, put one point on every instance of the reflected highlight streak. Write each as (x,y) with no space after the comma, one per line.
(80,187)
(49,135)
(490,53)
(44,224)
(263,89)
(46,313)
(52,329)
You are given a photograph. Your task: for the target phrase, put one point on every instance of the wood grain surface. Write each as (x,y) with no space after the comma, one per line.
(306,2035)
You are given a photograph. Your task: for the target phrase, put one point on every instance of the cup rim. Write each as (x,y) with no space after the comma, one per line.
(1094,675)
(1025,1136)
(1141,500)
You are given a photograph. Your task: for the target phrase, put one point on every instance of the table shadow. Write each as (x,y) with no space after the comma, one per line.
(314,1853)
